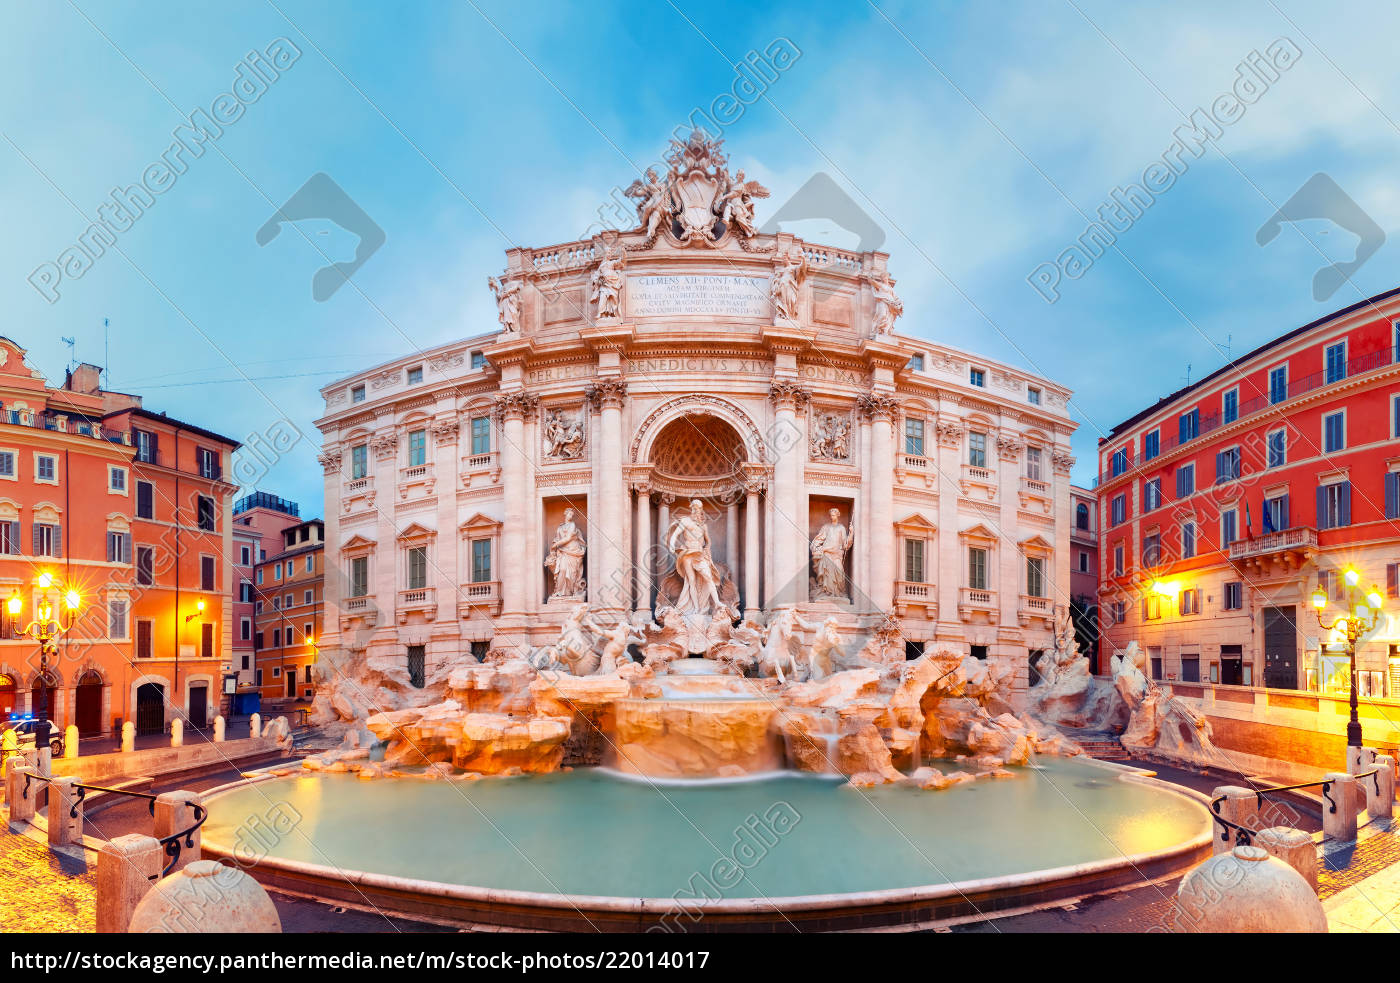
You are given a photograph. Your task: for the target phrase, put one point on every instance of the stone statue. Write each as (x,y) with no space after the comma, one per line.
(689,541)
(616,639)
(565,559)
(575,651)
(778,644)
(791,270)
(829,557)
(735,203)
(888,306)
(607,286)
(828,642)
(831,438)
(654,205)
(563,436)
(507,302)
(666,641)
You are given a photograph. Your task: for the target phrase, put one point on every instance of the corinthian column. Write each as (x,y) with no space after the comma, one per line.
(787,538)
(751,561)
(609,532)
(642,523)
(510,413)
(881,410)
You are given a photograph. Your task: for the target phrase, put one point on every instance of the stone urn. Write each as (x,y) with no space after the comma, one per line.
(1246,890)
(206,896)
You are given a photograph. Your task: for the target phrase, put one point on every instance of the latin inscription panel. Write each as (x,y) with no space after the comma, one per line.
(715,296)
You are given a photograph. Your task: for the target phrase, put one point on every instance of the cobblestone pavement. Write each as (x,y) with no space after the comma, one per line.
(1342,866)
(42,891)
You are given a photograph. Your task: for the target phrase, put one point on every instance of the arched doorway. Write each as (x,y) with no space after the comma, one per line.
(150,709)
(88,704)
(9,697)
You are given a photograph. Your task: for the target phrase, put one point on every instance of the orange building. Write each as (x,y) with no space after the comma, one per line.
(130,509)
(289,587)
(258,521)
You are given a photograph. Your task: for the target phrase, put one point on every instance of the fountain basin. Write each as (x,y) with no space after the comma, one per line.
(590,850)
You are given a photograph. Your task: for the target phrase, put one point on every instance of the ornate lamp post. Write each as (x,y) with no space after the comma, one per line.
(48,626)
(1360,618)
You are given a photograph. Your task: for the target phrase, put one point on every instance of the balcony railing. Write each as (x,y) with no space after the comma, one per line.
(1295,538)
(359,486)
(484,594)
(1035,607)
(63,423)
(972,599)
(1133,459)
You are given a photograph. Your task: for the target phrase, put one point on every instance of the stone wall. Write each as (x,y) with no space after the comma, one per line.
(154,762)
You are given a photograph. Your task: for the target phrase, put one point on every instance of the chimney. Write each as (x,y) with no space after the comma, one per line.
(85,378)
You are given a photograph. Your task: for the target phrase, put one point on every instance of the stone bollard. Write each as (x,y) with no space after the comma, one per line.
(206,897)
(65,812)
(126,869)
(1241,806)
(255,725)
(219,729)
(128,737)
(70,741)
(1340,801)
(177,732)
(43,760)
(1294,847)
(22,802)
(1380,787)
(1246,890)
(1359,759)
(173,815)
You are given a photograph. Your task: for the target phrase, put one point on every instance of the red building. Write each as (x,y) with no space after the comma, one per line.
(1222,507)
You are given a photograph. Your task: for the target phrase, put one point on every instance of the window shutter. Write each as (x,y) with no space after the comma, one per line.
(1392,487)
(1392,580)
(1283,514)
(1322,508)
(1344,505)
(14,538)
(34,543)
(57,540)
(1219,465)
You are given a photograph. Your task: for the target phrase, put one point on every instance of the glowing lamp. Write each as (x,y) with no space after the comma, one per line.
(72,600)
(1374,598)
(1319,599)
(1352,578)
(199,605)
(15,604)
(45,580)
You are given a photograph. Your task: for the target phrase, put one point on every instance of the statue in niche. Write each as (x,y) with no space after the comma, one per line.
(689,541)
(831,437)
(565,559)
(791,269)
(735,203)
(507,302)
(829,548)
(563,436)
(607,286)
(888,306)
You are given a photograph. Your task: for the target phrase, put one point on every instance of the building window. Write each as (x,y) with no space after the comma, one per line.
(1151,494)
(307,596)
(978,652)
(206,573)
(276,639)
(1152,550)
(977,568)
(914,437)
(1185,480)
(245,629)
(1035,576)
(1120,612)
(245,556)
(257,641)
(357,394)
(1227,465)
(1229,528)
(1189,601)
(209,464)
(417,448)
(48,539)
(1033,459)
(1190,668)
(1234,595)
(277,604)
(1276,445)
(1152,609)
(1230,406)
(1188,540)
(1118,554)
(118,547)
(978,378)
(288,602)
(145,500)
(116,618)
(415,375)
(1334,432)
(145,565)
(1336,361)
(1120,461)
(1275,513)
(1033,395)
(116,480)
(478,360)
(7,464)
(1392,502)
(1151,445)
(914,560)
(417,567)
(481,435)
(46,468)
(1081,516)
(1188,426)
(1278,384)
(9,538)
(417,666)
(145,446)
(206,513)
(1334,505)
(206,641)
(1118,510)
(977,449)
(144,639)
(916,362)
(480,650)
(359,461)
(359,576)
(481,561)
(1083,562)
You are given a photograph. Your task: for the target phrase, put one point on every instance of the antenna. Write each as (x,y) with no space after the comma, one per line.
(106,352)
(1188,373)
(72,344)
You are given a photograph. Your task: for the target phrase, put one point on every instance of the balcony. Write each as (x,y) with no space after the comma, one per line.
(358,488)
(912,596)
(1037,494)
(1034,607)
(974,601)
(978,479)
(418,600)
(481,468)
(479,598)
(1275,553)
(355,610)
(918,467)
(417,477)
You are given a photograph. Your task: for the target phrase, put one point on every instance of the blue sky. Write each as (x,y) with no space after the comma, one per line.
(978,136)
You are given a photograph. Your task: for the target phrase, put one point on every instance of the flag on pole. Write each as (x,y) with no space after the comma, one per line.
(1267,518)
(1248,523)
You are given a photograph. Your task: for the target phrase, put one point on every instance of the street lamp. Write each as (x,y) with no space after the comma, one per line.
(47,627)
(1361,615)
